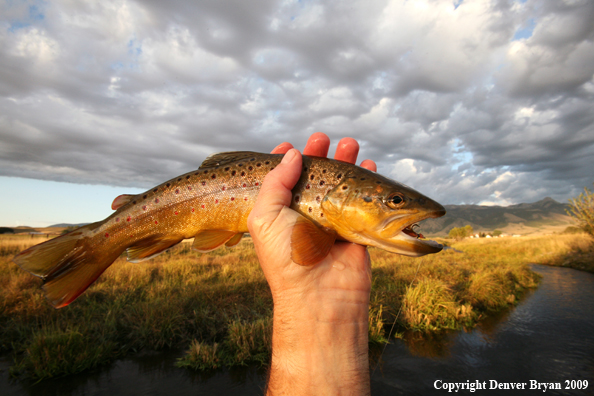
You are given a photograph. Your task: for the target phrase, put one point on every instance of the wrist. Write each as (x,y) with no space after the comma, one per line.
(320,348)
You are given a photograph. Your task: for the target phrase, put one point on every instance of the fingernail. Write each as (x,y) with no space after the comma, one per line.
(289,156)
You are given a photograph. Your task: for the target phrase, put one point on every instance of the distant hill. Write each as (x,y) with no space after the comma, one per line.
(65,225)
(545,216)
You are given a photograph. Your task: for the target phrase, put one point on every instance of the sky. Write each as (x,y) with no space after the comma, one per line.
(468,102)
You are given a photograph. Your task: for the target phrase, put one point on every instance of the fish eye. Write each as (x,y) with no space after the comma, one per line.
(395,200)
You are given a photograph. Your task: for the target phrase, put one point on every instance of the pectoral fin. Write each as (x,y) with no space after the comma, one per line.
(150,247)
(310,244)
(208,240)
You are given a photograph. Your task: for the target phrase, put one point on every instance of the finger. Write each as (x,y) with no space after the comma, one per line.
(282,148)
(317,145)
(369,164)
(275,192)
(347,150)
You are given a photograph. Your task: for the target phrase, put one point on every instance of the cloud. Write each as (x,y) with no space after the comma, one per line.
(478,101)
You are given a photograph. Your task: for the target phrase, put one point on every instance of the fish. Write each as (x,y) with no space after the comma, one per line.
(335,200)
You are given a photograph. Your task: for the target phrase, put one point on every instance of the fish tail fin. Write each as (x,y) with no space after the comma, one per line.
(67,265)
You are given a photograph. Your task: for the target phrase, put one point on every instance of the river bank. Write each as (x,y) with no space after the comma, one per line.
(218,306)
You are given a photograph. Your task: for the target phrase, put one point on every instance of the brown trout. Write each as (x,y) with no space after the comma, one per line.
(337,200)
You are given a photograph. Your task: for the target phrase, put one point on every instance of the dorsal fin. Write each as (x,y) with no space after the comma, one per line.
(121,200)
(226,158)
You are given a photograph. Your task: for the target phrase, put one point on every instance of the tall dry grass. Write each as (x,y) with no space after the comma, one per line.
(218,305)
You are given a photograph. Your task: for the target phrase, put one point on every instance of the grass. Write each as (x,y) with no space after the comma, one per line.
(218,306)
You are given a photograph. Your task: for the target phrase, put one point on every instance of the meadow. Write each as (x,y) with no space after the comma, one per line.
(218,307)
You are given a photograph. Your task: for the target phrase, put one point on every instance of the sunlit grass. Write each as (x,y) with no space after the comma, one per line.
(218,305)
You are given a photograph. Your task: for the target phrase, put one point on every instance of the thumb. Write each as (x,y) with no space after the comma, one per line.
(275,192)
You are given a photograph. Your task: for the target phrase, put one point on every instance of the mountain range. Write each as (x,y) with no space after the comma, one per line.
(544,216)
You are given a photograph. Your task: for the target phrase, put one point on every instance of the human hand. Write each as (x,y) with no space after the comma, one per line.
(320,322)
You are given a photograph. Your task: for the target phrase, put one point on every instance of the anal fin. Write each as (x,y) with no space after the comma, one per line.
(310,244)
(150,247)
(208,240)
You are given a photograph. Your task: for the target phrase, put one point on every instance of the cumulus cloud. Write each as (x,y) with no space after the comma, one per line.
(468,101)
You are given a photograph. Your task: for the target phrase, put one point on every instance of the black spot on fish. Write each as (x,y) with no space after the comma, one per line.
(367,199)
(321,214)
(144,196)
(168,184)
(251,168)
(322,182)
(214,176)
(267,162)
(307,187)
(242,174)
(187,177)
(155,190)
(344,187)
(339,176)
(226,169)
(239,164)
(310,209)
(259,164)
(179,179)
(205,172)
(252,159)
(233,173)
(324,171)
(311,177)
(296,198)
(378,182)
(362,178)
(133,202)
(318,198)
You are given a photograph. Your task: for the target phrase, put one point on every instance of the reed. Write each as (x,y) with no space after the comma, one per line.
(218,306)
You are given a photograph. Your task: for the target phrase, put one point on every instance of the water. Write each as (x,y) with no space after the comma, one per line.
(549,337)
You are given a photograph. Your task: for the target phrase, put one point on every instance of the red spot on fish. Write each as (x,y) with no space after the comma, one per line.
(245,185)
(117,219)
(310,209)
(216,201)
(203,206)
(192,210)
(128,218)
(204,183)
(307,187)
(156,200)
(177,190)
(223,188)
(257,184)
(245,199)
(190,188)
(232,198)
(144,207)
(106,235)
(297,198)
(156,222)
(176,212)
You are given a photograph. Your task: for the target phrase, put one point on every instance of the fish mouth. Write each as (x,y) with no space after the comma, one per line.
(410,241)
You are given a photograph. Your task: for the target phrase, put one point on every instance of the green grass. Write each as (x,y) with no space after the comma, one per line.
(218,306)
